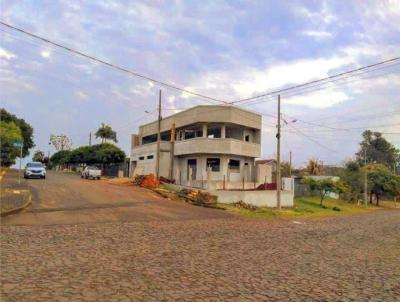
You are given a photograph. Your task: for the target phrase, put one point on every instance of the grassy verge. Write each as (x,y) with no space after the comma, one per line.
(304,207)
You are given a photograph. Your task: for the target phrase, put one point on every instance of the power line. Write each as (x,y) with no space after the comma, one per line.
(321,86)
(313,140)
(133,73)
(279,91)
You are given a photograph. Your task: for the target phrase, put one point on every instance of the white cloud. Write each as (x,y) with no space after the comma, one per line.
(45,53)
(8,55)
(317,34)
(81,95)
(320,99)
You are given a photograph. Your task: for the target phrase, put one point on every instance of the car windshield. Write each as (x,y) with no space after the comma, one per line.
(34,165)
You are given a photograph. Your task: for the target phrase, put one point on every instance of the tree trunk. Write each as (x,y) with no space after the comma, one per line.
(322,198)
(378,196)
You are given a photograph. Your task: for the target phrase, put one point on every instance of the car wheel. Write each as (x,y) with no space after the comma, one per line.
(98,177)
(81,176)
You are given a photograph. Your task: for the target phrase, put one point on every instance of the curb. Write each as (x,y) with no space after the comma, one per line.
(20,208)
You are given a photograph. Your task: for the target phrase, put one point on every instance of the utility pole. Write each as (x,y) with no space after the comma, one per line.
(365,179)
(290,163)
(90,138)
(278,157)
(20,165)
(158,137)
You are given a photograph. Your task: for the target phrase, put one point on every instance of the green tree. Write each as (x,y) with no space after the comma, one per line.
(105,132)
(26,130)
(325,186)
(9,134)
(38,156)
(376,149)
(107,154)
(286,169)
(381,181)
(60,157)
(97,154)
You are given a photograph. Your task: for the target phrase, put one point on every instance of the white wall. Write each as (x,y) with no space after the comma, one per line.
(265,198)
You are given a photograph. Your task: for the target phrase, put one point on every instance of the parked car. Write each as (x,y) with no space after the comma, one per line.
(91,172)
(35,170)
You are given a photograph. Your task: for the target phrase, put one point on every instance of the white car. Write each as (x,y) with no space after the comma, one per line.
(91,172)
(35,170)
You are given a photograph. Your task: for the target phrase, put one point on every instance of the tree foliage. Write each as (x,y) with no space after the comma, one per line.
(97,154)
(376,149)
(9,134)
(286,169)
(381,181)
(325,186)
(38,156)
(105,132)
(314,167)
(26,132)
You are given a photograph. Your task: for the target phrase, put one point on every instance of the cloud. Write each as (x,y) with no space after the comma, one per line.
(8,55)
(319,35)
(81,95)
(45,53)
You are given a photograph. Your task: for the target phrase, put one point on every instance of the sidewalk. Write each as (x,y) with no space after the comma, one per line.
(13,196)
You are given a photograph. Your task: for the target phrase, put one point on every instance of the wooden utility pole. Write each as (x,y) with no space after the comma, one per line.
(278,157)
(290,164)
(365,179)
(158,137)
(90,138)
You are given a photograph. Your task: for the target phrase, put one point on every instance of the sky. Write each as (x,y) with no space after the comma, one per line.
(224,49)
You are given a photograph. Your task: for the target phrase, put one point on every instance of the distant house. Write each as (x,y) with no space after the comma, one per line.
(266,170)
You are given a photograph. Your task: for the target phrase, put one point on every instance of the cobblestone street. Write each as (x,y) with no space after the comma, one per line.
(343,259)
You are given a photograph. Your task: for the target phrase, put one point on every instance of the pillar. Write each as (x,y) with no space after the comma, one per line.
(223,128)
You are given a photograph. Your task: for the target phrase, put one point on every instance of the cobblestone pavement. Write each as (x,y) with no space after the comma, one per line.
(353,258)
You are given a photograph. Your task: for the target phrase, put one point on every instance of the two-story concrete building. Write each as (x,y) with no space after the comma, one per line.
(210,145)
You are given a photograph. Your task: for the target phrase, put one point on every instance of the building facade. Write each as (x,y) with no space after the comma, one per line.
(210,146)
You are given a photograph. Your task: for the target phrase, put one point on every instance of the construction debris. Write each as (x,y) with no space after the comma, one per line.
(200,198)
(146,181)
(166,180)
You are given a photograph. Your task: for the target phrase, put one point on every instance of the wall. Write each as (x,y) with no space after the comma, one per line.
(257,198)
(208,114)
(264,173)
(180,169)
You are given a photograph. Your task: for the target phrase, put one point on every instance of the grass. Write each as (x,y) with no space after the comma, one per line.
(304,207)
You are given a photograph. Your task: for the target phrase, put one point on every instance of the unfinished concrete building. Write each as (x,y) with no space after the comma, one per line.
(211,147)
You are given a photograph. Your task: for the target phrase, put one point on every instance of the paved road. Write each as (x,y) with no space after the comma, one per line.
(64,198)
(343,259)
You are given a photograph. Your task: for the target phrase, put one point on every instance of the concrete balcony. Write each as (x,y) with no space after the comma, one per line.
(217,146)
(146,149)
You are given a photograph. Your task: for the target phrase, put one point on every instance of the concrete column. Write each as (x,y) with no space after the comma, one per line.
(205,130)
(223,128)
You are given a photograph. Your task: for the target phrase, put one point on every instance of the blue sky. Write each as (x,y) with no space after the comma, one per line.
(225,49)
